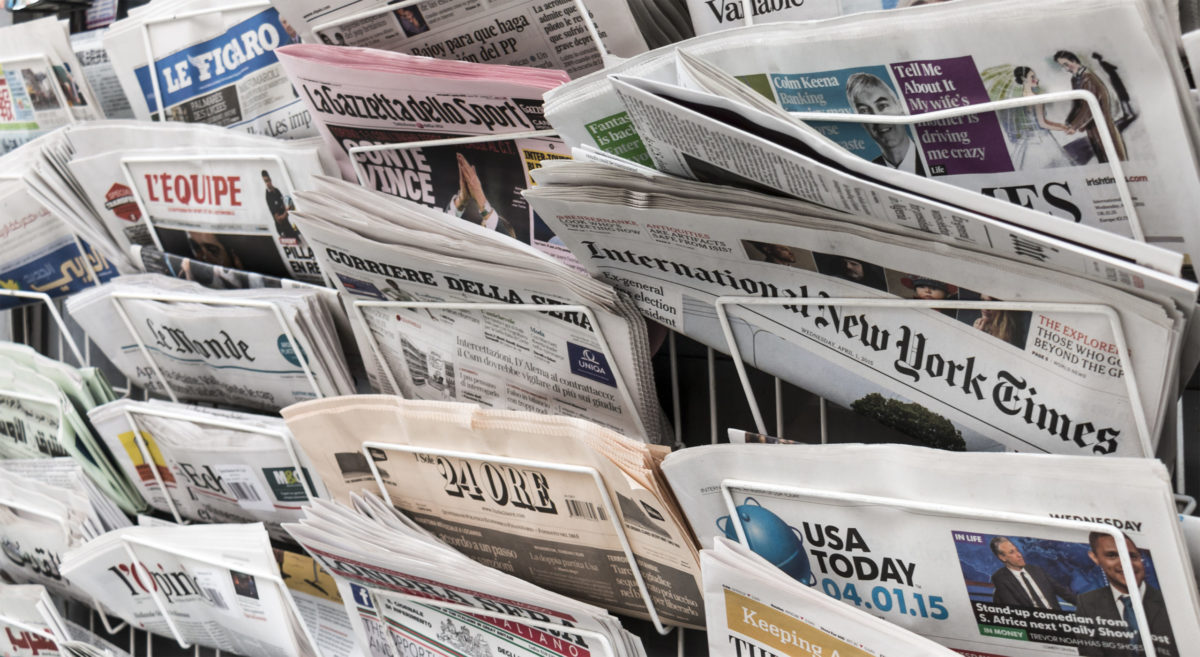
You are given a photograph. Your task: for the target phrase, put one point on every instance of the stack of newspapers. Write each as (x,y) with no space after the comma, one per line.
(48,507)
(211,62)
(260,349)
(213,195)
(43,414)
(208,465)
(407,592)
(998,554)
(590,359)
(43,88)
(216,586)
(34,628)
(560,502)
(1020,318)
(42,253)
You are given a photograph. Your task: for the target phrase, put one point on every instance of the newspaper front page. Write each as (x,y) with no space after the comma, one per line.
(218,68)
(1049,160)
(100,74)
(42,86)
(545,33)
(1043,382)
(548,526)
(948,573)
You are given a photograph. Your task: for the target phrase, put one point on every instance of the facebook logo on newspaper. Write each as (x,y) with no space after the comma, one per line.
(227,58)
(591,364)
(362,597)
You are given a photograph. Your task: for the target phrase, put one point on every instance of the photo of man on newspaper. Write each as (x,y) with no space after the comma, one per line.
(868,94)
(1061,592)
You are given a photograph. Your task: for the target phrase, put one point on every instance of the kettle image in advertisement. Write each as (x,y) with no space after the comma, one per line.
(771,538)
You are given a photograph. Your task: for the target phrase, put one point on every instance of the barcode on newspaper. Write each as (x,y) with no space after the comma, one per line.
(216,598)
(579,509)
(244,491)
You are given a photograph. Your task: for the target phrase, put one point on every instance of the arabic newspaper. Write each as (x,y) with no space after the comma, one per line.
(927,539)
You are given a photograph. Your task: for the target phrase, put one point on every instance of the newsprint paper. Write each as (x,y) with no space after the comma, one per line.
(950,571)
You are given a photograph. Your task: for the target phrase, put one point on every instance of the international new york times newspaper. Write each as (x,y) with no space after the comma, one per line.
(1048,380)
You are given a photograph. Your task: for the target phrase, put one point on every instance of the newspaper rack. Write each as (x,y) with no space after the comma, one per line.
(605,498)
(1135,595)
(198,157)
(452,141)
(147,454)
(150,62)
(1139,412)
(118,303)
(55,83)
(25,508)
(606,58)
(63,333)
(606,648)
(1106,138)
(128,542)
(359,305)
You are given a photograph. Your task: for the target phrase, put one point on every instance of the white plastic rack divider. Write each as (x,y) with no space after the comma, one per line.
(595,639)
(197,157)
(1107,312)
(1106,139)
(605,499)
(129,543)
(147,454)
(607,58)
(452,141)
(1135,595)
(59,94)
(118,303)
(25,508)
(145,28)
(358,307)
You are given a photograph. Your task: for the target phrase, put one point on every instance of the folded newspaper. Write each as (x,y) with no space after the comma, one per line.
(260,349)
(216,586)
(1031,372)
(550,499)
(43,86)
(755,608)
(100,74)
(41,253)
(524,33)
(362,97)
(34,628)
(382,251)
(43,411)
(1050,158)
(715,15)
(409,593)
(199,191)
(1011,555)
(208,465)
(208,62)
(46,508)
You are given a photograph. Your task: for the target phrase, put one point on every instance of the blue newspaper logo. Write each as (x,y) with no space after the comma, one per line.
(590,364)
(199,69)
